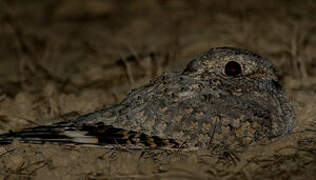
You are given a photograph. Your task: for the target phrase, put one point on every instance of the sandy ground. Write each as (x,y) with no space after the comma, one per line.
(60,59)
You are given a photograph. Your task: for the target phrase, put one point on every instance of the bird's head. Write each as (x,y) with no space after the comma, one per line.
(232,64)
(247,77)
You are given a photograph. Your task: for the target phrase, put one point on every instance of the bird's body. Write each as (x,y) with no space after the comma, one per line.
(225,97)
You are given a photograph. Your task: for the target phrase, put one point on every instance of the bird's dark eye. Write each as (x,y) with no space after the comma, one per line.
(232,68)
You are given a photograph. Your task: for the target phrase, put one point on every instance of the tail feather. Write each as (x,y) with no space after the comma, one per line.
(91,135)
(41,134)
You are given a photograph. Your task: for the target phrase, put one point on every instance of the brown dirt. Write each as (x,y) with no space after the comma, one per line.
(59,59)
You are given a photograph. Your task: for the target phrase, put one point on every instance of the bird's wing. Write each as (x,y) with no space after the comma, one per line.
(98,134)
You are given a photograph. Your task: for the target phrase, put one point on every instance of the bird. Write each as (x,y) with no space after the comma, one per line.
(225,97)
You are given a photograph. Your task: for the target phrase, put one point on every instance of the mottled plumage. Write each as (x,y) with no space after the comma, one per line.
(226,97)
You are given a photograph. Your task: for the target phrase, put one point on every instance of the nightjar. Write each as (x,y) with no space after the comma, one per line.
(226,97)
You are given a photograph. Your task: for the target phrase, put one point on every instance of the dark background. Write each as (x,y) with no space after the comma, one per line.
(62,58)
